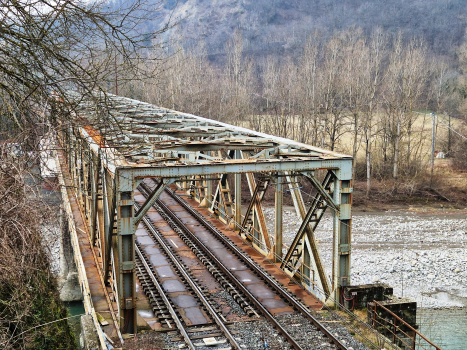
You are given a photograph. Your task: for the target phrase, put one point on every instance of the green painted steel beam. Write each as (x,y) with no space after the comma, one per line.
(233,167)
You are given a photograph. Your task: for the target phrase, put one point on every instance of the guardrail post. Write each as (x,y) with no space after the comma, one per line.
(374,316)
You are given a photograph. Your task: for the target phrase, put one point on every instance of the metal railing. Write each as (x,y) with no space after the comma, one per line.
(403,334)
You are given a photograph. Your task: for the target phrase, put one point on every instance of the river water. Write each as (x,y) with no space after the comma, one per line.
(445,328)
(75,308)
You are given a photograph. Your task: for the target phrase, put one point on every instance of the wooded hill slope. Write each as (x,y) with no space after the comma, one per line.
(283,25)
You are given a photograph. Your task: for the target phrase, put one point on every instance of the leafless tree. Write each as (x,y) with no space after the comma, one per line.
(67,45)
(47,49)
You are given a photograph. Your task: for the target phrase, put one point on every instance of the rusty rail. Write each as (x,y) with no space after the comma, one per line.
(194,287)
(395,328)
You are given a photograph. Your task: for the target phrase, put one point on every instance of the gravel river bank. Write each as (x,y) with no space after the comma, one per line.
(422,255)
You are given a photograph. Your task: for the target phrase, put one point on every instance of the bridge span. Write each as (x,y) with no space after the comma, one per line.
(154,202)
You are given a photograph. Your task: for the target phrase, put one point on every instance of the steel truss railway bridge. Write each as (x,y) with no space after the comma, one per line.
(104,161)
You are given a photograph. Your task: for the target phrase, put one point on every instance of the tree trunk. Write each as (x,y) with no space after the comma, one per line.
(355,145)
(396,149)
(368,172)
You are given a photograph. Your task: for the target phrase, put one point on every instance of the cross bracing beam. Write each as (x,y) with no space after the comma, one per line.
(162,185)
(144,141)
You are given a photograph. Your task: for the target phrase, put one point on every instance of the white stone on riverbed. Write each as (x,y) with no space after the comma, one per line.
(418,255)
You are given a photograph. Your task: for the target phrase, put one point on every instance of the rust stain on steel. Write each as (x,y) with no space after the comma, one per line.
(95,135)
(274,270)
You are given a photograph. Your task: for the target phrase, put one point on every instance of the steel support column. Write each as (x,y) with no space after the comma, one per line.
(125,266)
(208,194)
(238,197)
(279,200)
(206,202)
(342,197)
(96,171)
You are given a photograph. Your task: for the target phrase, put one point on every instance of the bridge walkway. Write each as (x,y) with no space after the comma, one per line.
(95,298)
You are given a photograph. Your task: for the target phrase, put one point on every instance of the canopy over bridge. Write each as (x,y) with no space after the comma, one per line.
(119,145)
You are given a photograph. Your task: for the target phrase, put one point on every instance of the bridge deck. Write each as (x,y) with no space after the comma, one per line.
(272,268)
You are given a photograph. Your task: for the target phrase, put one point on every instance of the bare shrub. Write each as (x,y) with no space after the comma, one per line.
(458,152)
(28,292)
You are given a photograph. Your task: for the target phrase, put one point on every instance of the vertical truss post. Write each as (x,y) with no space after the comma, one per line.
(94,196)
(238,197)
(222,204)
(72,155)
(206,202)
(342,197)
(125,266)
(208,194)
(106,205)
(87,166)
(79,171)
(279,201)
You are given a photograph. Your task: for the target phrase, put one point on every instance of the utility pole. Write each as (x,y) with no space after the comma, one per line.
(432,149)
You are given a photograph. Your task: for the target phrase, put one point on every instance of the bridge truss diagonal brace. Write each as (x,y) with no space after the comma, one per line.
(161,186)
(256,206)
(306,228)
(321,190)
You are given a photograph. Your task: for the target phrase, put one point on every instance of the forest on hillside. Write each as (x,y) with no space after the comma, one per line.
(367,95)
(282,26)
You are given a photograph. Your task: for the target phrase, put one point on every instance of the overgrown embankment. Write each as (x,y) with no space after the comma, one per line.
(29,299)
(447,190)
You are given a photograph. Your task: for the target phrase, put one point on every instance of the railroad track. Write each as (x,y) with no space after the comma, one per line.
(161,304)
(202,250)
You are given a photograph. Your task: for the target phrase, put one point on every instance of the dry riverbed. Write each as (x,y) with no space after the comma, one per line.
(421,255)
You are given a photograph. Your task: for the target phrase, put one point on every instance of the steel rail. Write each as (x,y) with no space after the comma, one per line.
(156,235)
(285,294)
(234,279)
(176,319)
(145,283)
